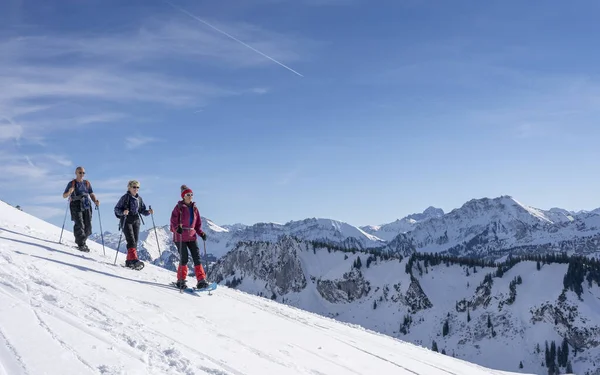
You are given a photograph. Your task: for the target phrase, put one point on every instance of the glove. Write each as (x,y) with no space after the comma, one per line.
(203,235)
(179,229)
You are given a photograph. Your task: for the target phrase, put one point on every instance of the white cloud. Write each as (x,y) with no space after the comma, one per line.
(178,39)
(49,199)
(97,82)
(59,159)
(10,131)
(260,90)
(135,142)
(44,212)
(18,171)
(56,81)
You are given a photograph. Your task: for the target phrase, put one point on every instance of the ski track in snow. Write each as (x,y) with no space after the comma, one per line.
(13,363)
(46,305)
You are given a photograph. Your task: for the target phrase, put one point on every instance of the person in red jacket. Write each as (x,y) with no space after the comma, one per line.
(186,225)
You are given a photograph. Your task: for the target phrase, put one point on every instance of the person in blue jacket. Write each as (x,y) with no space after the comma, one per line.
(129,208)
(81,195)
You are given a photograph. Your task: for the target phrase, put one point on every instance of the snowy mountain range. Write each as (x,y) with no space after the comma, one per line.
(488,228)
(221,239)
(499,316)
(63,312)
(493,228)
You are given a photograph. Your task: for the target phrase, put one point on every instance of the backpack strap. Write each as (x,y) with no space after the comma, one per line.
(87,183)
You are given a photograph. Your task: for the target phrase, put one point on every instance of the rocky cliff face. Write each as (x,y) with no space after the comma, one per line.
(350,287)
(276,264)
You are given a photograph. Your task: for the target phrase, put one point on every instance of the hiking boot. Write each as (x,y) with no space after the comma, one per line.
(202,284)
(181,284)
(135,264)
(83,248)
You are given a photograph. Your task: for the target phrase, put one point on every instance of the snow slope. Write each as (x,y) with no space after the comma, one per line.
(64,312)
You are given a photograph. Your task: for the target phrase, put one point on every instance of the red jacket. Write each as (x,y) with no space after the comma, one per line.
(191,223)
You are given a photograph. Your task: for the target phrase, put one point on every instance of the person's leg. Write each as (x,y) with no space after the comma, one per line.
(78,225)
(87,220)
(182,269)
(198,269)
(130,236)
(136,232)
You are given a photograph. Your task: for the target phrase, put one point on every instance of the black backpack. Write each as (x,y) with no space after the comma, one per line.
(128,205)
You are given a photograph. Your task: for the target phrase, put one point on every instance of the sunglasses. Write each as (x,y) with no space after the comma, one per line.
(135,187)
(80,172)
(189,195)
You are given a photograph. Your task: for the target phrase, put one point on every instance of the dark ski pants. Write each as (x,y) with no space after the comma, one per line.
(82,227)
(183,252)
(131,229)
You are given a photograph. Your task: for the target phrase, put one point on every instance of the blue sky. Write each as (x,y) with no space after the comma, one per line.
(400,105)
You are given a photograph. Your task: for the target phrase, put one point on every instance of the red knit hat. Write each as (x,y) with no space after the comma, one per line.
(185,190)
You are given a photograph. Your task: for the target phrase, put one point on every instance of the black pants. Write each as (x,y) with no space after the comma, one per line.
(82,227)
(183,252)
(131,229)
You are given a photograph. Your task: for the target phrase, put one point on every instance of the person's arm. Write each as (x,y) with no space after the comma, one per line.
(68,190)
(92,195)
(143,210)
(120,206)
(175,219)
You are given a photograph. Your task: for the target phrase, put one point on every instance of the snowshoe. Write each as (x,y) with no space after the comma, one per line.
(208,288)
(83,248)
(202,284)
(134,264)
(183,288)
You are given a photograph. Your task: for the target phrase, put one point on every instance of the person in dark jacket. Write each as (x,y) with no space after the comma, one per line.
(129,208)
(81,195)
(186,225)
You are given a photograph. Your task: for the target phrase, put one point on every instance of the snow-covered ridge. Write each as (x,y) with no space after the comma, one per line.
(489,227)
(389,231)
(63,312)
(221,239)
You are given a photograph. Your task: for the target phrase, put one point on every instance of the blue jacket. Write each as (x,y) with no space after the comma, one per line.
(82,192)
(134,204)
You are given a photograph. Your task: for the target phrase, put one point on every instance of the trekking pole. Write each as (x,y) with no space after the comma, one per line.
(152,215)
(101,231)
(64,221)
(119,244)
(206,259)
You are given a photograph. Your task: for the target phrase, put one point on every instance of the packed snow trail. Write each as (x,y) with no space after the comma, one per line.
(65,312)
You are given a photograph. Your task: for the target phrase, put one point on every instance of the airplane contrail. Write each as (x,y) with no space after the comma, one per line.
(232,37)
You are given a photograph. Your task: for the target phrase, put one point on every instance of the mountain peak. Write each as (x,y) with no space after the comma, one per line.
(391,230)
(429,213)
